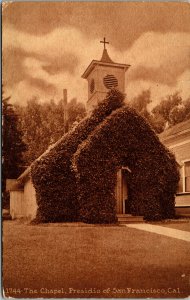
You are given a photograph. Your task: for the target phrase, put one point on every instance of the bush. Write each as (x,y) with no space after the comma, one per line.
(52,176)
(125,139)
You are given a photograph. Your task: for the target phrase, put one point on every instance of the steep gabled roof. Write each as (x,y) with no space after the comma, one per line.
(26,173)
(176,130)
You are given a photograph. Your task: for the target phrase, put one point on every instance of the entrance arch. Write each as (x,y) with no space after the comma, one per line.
(121,192)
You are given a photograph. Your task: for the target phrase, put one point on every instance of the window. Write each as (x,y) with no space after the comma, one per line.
(187,176)
(180,183)
(92,86)
(184,182)
(110,81)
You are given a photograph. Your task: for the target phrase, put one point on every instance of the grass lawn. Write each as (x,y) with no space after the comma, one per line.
(61,261)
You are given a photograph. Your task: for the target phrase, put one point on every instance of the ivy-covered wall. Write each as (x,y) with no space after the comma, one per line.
(125,139)
(76,179)
(52,175)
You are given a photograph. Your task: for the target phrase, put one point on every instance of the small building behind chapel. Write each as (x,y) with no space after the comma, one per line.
(177,140)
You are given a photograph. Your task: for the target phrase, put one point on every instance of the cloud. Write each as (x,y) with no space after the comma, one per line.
(25,91)
(162,57)
(160,62)
(57,58)
(58,43)
(153,49)
(53,61)
(59,80)
(159,91)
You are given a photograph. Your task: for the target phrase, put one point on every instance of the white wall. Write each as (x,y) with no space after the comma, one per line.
(30,200)
(17,205)
(23,202)
(180,146)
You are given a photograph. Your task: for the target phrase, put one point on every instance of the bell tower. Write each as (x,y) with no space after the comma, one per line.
(103,75)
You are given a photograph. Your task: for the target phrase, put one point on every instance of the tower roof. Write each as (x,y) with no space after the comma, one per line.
(105,61)
(105,57)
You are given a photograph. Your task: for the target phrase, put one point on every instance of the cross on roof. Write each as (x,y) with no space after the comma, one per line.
(104,42)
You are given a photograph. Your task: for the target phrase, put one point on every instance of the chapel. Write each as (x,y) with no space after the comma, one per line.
(101,170)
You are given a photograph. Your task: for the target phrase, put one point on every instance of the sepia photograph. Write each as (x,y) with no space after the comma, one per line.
(95,149)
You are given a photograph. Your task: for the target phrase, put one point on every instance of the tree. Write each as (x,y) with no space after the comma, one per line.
(13,146)
(170,111)
(176,115)
(45,123)
(141,102)
(187,108)
(34,126)
(76,112)
(158,122)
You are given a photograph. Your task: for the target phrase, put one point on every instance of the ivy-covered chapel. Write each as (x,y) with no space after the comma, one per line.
(112,164)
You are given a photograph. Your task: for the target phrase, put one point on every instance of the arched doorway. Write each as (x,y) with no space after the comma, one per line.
(122,191)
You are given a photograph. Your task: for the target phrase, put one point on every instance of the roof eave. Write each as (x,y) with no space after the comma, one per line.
(89,69)
(25,175)
(97,62)
(173,136)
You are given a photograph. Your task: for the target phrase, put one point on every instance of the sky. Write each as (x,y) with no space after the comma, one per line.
(48,45)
